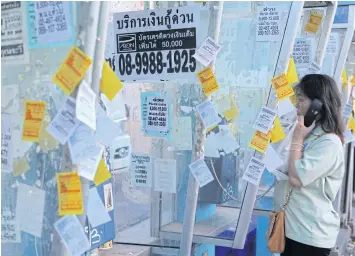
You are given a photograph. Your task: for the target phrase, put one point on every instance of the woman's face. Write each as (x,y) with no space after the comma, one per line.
(303,103)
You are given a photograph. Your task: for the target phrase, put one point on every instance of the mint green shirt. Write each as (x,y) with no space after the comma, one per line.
(310,216)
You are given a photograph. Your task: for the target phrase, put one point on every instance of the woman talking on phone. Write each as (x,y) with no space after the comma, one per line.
(315,168)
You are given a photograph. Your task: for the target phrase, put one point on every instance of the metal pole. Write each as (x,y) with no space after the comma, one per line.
(216,9)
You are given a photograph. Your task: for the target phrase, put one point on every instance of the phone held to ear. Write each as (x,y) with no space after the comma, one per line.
(312,112)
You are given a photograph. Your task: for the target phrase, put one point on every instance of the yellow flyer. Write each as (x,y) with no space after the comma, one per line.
(351,124)
(282,87)
(102,173)
(70,198)
(292,76)
(344,76)
(110,83)
(313,23)
(293,99)
(260,141)
(277,133)
(228,107)
(32,124)
(72,70)
(208,81)
(352,80)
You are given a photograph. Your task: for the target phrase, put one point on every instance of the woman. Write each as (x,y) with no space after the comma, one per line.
(315,169)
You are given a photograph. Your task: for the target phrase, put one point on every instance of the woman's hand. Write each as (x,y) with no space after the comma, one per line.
(301,131)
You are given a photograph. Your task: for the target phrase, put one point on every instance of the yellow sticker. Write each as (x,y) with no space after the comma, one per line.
(72,70)
(110,84)
(351,124)
(314,22)
(352,80)
(293,99)
(344,76)
(102,173)
(208,80)
(70,198)
(282,87)
(277,133)
(292,76)
(211,128)
(32,124)
(344,85)
(20,166)
(260,141)
(228,107)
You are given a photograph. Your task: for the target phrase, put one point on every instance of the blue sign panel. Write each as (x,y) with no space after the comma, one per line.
(341,15)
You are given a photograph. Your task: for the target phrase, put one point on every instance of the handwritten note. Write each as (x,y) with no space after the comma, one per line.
(32,125)
(110,83)
(141,170)
(165,175)
(89,163)
(72,235)
(208,114)
(70,198)
(96,211)
(292,76)
(265,120)
(303,52)
(208,81)
(260,141)
(72,71)
(254,171)
(6,143)
(268,23)
(30,208)
(158,120)
(64,123)
(282,87)
(201,173)
(313,23)
(10,230)
(85,105)
(182,133)
(277,133)
(207,52)
(102,173)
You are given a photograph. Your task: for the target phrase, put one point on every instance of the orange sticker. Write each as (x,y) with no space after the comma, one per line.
(70,198)
(208,81)
(313,23)
(282,87)
(260,141)
(32,124)
(72,70)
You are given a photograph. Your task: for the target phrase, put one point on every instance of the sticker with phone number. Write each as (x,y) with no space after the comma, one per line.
(156,45)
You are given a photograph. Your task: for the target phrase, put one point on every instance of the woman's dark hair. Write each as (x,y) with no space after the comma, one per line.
(324,88)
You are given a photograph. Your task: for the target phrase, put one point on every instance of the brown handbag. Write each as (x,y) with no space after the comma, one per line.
(275,236)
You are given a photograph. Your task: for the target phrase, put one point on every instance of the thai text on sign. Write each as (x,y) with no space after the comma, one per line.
(34,114)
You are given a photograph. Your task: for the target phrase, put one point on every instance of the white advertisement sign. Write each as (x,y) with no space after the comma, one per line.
(303,52)
(268,23)
(155,45)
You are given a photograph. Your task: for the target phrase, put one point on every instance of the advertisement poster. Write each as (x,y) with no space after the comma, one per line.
(155,45)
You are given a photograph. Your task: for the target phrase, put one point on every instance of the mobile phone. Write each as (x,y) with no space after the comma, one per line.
(312,112)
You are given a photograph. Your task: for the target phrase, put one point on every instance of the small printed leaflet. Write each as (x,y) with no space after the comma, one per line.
(254,171)
(260,141)
(72,70)
(158,122)
(208,114)
(110,84)
(282,86)
(208,81)
(50,24)
(158,45)
(85,105)
(313,23)
(268,26)
(32,125)
(141,170)
(165,175)
(89,162)
(182,133)
(347,110)
(96,211)
(64,123)
(303,52)
(201,173)
(207,52)
(6,143)
(30,208)
(265,120)
(10,230)
(70,198)
(314,68)
(72,235)
(13,33)
(333,44)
